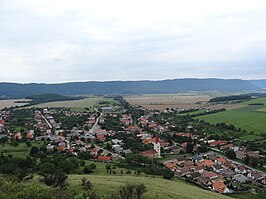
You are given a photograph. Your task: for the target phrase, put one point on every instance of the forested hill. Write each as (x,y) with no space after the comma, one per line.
(259,83)
(14,90)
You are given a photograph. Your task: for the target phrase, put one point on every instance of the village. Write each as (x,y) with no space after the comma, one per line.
(108,135)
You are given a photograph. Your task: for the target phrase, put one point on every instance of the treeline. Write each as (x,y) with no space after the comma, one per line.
(208,112)
(237,97)
(230,98)
(50,97)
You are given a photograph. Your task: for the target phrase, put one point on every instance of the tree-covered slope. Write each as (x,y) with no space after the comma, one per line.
(13,90)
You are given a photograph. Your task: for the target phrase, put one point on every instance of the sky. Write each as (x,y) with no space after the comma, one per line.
(83,40)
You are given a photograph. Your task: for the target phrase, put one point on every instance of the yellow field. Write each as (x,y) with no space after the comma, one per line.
(10,103)
(161,102)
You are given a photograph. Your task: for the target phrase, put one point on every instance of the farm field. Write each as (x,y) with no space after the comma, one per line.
(247,117)
(76,105)
(10,103)
(184,100)
(157,187)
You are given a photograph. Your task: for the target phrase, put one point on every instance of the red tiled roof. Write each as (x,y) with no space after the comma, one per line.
(104,158)
(219,142)
(184,134)
(210,174)
(219,186)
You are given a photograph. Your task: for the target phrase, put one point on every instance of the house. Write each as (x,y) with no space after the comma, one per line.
(17,136)
(193,176)
(197,158)
(228,173)
(50,148)
(220,187)
(241,155)
(254,175)
(210,175)
(188,163)
(217,168)
(207,163)
(61,146)
(204,181)
(182,171)
(241,169)
(255,154)
(117,148)
(221,161)
(30,134)
(263,181)
(101,137)
(154,140)
(218,143)
(212,156)
(184,135)
(198,168)
(229,146)
(181,160)
(104,158)
(94,151)
(150,153)
(240,178)
(171,166)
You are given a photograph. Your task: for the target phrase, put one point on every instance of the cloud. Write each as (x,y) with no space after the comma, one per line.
(66,40)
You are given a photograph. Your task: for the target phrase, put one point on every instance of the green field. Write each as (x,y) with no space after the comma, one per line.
(104,183)
(248,117)
(157,187)
(22,150)
(76,105)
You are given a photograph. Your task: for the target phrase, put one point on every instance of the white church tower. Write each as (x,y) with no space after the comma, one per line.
(157,146)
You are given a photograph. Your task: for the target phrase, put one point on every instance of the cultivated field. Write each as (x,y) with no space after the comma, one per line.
(161,102)
(248,117)
(78,105)
(184,100)
(11,103)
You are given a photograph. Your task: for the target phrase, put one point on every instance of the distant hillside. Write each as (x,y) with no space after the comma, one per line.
(14,90)
(259,83)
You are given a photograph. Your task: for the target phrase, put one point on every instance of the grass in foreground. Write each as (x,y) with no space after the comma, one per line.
(157,187)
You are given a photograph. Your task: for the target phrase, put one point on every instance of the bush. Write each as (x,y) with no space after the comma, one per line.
(167,174)
(82,163)
(93,166)
(87,169)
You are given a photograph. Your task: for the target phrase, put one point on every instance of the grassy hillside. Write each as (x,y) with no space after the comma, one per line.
(157,187)
(248,117)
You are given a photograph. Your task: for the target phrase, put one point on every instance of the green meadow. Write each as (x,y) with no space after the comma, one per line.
(249,117)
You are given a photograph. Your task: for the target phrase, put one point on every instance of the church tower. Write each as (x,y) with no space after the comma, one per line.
(157,146)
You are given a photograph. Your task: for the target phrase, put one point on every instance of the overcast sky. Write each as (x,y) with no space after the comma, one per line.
(83,40)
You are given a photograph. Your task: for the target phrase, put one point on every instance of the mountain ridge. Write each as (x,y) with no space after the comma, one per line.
(17,90)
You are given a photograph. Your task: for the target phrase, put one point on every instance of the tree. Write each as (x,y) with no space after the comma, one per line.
(230,154)
(190,147)
(87,169)
(140,189)
(247,159)
(254,161)
(34,151)
(167,174)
